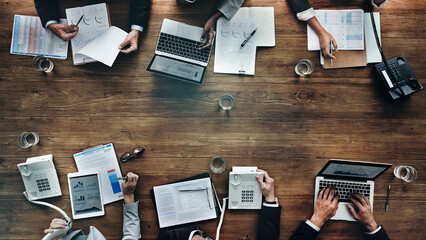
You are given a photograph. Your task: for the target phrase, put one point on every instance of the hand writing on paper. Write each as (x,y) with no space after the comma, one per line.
(64,32)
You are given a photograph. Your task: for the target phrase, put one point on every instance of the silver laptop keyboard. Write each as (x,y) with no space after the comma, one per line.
(183,47)
(345,188)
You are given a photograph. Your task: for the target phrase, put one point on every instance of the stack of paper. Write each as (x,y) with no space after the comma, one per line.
(30,38)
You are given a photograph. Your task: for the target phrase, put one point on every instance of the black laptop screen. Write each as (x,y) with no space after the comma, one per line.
(354,170)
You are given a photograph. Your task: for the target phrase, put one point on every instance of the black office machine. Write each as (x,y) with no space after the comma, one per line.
(399,78)
(396,73)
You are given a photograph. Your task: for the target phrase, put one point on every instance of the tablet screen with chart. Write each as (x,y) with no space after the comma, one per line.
(85,196)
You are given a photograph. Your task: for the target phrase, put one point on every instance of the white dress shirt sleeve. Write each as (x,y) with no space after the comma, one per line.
(137,27)
(374,232)
(50,22)
(310,224)
(306,15)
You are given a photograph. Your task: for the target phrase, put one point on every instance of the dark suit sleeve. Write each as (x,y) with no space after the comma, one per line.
(47,10)
(380,235)
(139,12)
(269,223)
(177,233)
(304,232)
(299,5)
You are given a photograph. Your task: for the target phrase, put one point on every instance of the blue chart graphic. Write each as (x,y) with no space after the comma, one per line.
(79,199)
(79,185)
(114,182)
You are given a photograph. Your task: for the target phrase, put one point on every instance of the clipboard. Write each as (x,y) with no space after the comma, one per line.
(346,59)
(217,206)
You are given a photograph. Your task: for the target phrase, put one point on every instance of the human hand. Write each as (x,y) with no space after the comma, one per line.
(56,224)
(209,29)
(197,237)
(324,39)
(131,40)
(128,187)
(325,207)
(364,214)
(64,32)
(267,186)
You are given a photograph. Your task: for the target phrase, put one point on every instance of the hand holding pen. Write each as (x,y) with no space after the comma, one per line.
(65,32)
(128,187)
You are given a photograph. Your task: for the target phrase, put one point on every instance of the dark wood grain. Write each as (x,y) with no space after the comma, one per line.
(287,125)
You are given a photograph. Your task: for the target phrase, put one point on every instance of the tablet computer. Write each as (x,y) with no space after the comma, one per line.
(85,194)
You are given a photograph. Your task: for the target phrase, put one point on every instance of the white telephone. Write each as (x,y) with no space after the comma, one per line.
(244,190)
(40,177)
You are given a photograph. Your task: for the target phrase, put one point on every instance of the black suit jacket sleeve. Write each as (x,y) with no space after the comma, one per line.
(139,12)
(269,223)
(304,232)
(47,10)
(380,235)
(299,5)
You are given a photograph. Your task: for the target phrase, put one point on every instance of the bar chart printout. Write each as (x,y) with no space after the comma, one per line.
(30,38)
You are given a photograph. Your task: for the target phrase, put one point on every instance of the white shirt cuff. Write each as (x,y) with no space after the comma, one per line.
(313,225)
(137,27)
(306,15)
(378,6)
(50,22)
(374,232)
(191,235)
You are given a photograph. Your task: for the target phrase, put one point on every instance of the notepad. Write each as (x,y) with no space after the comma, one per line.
(185,202)
(265,21)
(30,38)
(96,40)
(102,159)
(346,26)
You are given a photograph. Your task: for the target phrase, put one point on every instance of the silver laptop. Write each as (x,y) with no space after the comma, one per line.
(177,55)
(349,177)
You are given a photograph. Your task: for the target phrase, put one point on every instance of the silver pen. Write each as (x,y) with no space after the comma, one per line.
(248,38)
(331,52)
(387,199)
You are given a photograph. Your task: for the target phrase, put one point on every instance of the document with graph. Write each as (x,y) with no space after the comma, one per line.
(30,38)
(229,56)
(346,26)
(96,40)
(104,160)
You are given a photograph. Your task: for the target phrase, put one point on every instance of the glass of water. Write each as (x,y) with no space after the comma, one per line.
(217,164)
(406,173)
(304,67)
(227,102)
(42,64)
(27,139)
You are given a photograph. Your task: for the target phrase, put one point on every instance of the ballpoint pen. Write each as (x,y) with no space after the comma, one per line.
(122,178)
(387,199)
(331,52)
(248,38)
(81,18)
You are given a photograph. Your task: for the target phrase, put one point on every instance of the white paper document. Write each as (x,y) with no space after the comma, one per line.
(266,23)
(105,47)
(96,40)
(104,160)
(373,53)
(346,26)
(230,57)
(30,38)
(184,202)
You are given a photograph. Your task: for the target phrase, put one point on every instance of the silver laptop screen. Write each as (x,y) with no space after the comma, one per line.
(354,170)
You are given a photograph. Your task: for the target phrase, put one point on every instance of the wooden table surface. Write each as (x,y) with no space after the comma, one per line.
(287,125)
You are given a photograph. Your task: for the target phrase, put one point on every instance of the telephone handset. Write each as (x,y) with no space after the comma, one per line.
(244,190)
(40,177)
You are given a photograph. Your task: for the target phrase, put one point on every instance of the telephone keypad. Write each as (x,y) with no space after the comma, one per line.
(247,196)
(42,183)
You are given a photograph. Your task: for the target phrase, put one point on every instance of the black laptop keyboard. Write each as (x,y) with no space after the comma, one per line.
(183,47)
(345,188)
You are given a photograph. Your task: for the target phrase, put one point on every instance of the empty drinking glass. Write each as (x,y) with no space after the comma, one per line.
(406,173)
(227,102)
(304,67)
(217,165)
(42,64)
(27,139)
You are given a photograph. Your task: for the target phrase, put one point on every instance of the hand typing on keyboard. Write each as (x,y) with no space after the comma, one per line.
(364,214)
(325,207)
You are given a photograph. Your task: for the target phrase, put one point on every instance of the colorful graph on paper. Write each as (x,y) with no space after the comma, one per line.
(30,38)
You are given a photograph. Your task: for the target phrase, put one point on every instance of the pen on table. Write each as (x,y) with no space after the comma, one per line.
(248,38)
(387,199)
(122,178)
(331,52)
